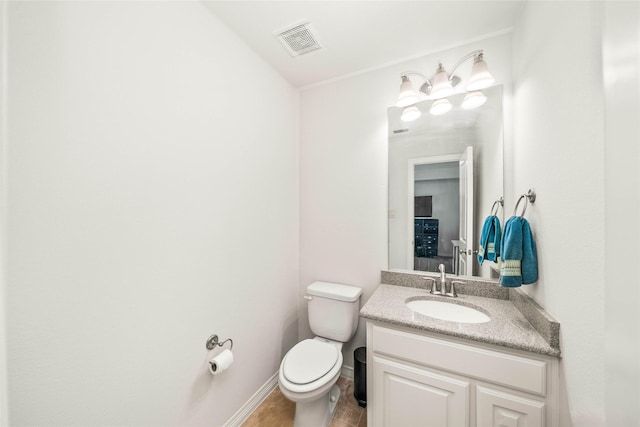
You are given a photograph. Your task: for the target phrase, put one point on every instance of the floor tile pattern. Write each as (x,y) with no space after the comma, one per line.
(278,411)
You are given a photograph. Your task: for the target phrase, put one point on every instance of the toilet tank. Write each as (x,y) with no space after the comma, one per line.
(334,310)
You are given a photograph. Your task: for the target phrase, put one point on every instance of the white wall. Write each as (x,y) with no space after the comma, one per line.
(621,66)
(558,148)
(152,189)
(343,172)
(487,180)
(343,175)
(4,415)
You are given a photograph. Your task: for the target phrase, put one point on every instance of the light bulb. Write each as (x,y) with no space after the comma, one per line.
(440,106)
(410,113)
(473,100)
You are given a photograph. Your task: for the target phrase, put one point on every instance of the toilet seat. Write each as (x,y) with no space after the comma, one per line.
(316,382)
(308,361)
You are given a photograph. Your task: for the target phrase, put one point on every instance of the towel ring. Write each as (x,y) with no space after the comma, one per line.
(496,206)
(529,197)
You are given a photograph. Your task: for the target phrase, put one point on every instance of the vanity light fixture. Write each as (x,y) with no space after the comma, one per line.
(443,84)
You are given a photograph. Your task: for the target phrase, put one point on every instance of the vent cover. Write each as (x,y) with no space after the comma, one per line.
(299,39)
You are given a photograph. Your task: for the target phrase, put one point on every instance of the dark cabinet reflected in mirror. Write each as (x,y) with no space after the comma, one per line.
(445,173)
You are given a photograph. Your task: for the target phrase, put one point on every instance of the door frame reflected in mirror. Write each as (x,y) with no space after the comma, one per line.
(411,184)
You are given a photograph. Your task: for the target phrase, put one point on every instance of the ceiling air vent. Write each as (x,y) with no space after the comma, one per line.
(299,39)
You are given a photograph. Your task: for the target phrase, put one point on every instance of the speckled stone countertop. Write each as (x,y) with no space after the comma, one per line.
(508,326)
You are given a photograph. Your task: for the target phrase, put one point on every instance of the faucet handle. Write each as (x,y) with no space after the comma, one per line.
(453,287)
(433,284)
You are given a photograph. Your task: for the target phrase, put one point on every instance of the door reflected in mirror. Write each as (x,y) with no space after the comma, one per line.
(445,173)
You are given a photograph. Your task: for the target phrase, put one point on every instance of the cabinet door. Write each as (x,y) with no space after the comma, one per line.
(499,409)
(405,395)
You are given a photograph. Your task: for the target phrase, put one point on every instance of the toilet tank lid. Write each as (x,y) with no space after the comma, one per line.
(334,291)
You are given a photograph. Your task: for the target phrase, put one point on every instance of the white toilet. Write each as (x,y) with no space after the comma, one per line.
(309,371)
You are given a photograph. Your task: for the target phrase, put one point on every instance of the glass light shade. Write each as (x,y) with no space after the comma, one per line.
(480,76)
(407,96)
(440,106)
(410,113)
(441,84)
(473,100)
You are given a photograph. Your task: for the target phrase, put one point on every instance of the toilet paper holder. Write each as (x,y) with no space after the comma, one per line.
(213,341)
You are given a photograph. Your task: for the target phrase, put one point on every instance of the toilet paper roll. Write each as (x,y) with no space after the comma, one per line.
(221,362)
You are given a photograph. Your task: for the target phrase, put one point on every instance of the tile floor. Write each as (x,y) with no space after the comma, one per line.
(278,411)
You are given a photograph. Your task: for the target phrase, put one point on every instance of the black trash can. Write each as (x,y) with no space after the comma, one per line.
(360,376)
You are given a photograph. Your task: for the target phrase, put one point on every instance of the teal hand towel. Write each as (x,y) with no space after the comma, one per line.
(490,240)
(519,254)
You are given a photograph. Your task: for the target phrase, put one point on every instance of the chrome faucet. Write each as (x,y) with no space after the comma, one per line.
(443,284)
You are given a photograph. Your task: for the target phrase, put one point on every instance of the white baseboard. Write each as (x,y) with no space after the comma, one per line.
(252,404)
(347,371)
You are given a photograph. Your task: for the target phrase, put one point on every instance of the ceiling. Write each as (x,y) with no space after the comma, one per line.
(360,35)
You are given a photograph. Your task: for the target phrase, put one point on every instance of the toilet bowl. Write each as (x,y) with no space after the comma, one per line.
(308,374)
(309,371)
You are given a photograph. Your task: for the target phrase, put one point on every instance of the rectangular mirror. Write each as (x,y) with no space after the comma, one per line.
(445,176)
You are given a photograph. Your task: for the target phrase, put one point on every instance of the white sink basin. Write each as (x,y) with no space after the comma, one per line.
(447,311)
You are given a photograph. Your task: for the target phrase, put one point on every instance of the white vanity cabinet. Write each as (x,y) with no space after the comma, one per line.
(412,396)
(423,379)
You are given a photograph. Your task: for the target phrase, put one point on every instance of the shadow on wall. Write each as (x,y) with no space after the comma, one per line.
(202,382)
(289,335)
(563,398)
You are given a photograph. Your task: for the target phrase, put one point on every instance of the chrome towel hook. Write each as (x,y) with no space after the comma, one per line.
(530,197)
(496,206)
(212,342)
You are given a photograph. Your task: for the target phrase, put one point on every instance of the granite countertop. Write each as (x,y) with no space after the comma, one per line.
(508,326)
